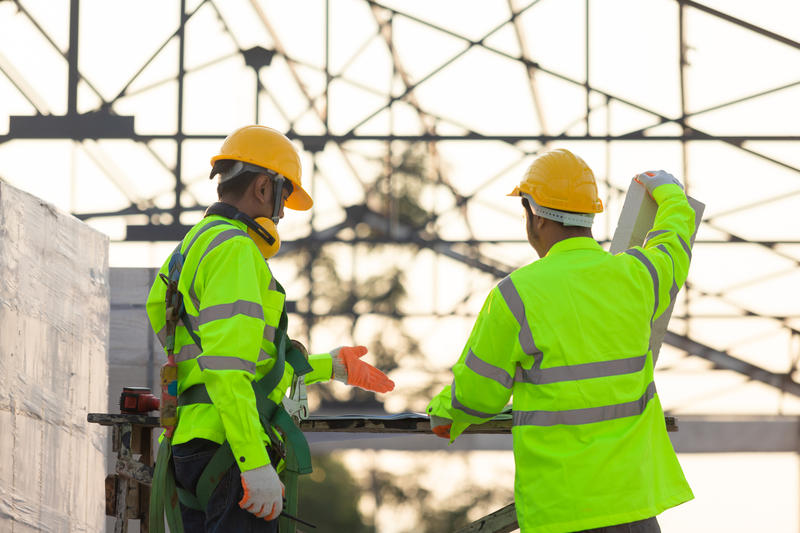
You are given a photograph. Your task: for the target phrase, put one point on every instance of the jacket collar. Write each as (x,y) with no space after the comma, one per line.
(575,243)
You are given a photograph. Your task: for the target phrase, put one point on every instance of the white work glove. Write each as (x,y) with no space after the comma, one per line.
(653,178)
(263,492)
(441,426)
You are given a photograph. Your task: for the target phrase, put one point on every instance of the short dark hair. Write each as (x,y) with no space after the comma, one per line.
(234,188)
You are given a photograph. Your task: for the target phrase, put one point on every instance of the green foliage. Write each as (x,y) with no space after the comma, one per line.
(329,498)
(427,511)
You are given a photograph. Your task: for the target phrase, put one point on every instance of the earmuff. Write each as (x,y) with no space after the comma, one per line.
(265,226)
(262,230)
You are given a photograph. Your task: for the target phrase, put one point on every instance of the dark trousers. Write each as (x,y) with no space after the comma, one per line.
(223,513)
(648,525)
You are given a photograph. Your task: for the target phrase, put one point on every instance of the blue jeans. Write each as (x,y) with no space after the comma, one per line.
(648,525)
(223,513)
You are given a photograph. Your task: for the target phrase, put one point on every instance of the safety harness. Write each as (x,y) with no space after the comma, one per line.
(165,494)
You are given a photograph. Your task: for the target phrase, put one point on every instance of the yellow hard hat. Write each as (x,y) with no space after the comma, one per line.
(269,149)
(559,179)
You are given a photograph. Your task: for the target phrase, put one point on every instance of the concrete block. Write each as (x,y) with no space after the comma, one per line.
(54,308)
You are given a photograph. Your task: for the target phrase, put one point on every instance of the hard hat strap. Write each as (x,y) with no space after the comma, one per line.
(566,218)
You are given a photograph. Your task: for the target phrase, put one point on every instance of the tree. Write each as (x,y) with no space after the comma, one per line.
(329,498)
(389,224)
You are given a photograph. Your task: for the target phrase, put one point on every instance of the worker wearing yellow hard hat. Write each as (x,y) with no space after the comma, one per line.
(567,339)
(234,358)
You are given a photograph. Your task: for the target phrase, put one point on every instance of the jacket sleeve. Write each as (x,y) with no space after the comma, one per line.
(321,368)
(231,324)
(484,374)
(666,252)
(155,306)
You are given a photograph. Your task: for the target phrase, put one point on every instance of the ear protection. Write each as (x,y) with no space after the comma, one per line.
(262,230)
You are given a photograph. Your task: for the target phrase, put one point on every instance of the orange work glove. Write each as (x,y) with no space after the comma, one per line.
(441,426)
(350,369)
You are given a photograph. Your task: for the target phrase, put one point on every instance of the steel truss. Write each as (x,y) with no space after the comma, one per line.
(106,122)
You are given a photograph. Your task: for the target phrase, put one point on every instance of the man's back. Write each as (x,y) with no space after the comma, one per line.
(590,442)
(569,337)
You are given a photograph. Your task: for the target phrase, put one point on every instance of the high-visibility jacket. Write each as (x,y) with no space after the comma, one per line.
(568,336)
(234,305)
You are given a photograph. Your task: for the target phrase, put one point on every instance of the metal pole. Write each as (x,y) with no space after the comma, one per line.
(586,83)
(684,130)
(72,58)
(176,212)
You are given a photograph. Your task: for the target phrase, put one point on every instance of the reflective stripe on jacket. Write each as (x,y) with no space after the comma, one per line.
(569,337)
(234,306)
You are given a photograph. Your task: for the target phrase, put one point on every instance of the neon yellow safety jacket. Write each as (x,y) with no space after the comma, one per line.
(569,337)
(234,305)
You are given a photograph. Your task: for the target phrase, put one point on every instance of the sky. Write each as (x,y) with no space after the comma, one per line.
(750,191)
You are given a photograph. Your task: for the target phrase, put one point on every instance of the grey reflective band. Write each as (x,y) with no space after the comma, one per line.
(484,369)
(673,291)
(686,247)
(269,332)
(219,239)
(514,303)
(273,285)
(567,218)
(162,336)
(655,233)
(224,362)
(223,311)
(187,352)
(205,228)
(263,356)
(598,369)
(461,407)
(589,415)
(653,273)
(664,249)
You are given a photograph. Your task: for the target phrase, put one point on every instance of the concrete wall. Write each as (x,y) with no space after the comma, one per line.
(54,310)
(135,356)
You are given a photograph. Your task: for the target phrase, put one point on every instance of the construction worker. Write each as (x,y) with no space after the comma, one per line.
(231,343)
(568,336)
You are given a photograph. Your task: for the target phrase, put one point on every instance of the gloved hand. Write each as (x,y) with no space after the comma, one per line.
(441,426)
(653,178)
(350,369)
(263,492)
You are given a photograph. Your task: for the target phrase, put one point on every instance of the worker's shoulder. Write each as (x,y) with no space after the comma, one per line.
(216,236)
(212,232)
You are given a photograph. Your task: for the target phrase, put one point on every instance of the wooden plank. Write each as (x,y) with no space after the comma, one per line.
(635,220)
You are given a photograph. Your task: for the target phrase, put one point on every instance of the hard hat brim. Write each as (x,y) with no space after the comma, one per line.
(515,192)
(299,200)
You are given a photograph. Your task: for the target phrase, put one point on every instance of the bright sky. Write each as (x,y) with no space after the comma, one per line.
(633,57)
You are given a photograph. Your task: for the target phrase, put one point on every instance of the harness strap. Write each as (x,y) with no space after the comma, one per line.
(220,462)
(162,487)
(270,414)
